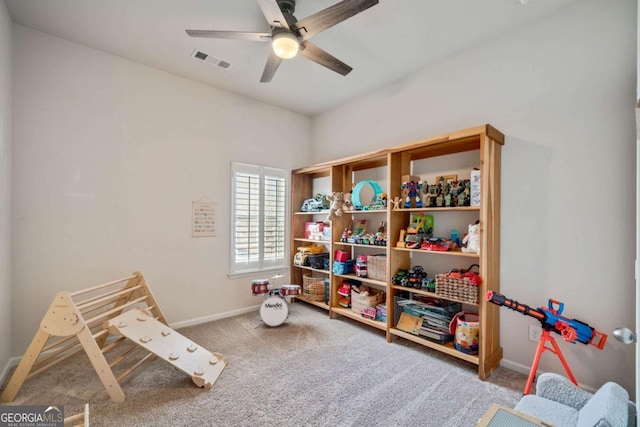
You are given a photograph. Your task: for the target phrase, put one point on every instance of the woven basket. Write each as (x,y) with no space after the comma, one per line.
(358,301)
(458,289)
(313,288)
(377,267)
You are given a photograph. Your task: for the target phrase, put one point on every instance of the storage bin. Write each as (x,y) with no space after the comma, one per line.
(343,267)
(377,267)
(458,289)
(313,288)
(466,329)
(341,256)
(327,291)
(462,285)
(318,260)
(360,302)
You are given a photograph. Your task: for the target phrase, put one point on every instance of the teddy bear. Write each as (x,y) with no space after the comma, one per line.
(335,210)
(347,203)
(472,239)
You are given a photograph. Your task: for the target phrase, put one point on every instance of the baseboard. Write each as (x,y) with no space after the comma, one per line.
(205,319)
(518,367)
(524,369)
(14,361)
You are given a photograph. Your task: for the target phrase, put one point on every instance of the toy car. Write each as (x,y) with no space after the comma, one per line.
(368,312)
(361,266)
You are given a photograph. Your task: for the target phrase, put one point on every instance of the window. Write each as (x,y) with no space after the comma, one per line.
(258,216)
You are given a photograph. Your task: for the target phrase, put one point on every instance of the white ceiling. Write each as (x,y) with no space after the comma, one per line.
(383,44)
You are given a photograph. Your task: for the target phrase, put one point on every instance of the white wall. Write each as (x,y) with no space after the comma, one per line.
(563,91)
(109,155)
(5,188)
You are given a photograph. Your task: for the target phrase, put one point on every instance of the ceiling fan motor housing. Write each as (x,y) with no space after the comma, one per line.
(287,6)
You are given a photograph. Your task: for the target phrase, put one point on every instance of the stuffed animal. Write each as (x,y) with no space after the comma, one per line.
(347,204)
(335,210)
(472,239)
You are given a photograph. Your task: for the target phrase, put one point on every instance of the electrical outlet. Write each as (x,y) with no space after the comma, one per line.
(535,332)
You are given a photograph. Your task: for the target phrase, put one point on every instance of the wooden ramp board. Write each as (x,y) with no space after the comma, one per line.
(139,326)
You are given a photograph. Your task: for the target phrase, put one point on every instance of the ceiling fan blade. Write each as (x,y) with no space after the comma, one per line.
(273,14)
(238,35)
(331,16)
(273,62)
(319,56)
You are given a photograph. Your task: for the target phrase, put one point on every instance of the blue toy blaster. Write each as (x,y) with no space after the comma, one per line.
(571,330)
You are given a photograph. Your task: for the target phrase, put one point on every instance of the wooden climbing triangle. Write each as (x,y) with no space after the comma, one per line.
(105,320)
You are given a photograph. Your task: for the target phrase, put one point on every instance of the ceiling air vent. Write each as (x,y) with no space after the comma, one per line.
(201,56)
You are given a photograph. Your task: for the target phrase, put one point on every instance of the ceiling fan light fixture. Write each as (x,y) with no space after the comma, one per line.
(285,45)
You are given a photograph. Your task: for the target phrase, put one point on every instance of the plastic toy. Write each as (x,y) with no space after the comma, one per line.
(437,244)
(472,239)
(361,265)
(571,330)
(396,203)
(312,205)
(411,194)
(375,187)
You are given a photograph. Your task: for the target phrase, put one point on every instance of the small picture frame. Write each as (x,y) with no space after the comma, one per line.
(446,179)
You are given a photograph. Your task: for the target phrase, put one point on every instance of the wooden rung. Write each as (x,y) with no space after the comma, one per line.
(115,310)
(82,416)
(53,354)
(113,344)
(57,342)
(74,418)
(102,333)
(109,297)
(55,362)
(105,285)
(123,356)
(126,373)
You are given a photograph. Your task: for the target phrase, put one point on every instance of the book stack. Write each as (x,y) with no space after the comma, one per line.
(429,318)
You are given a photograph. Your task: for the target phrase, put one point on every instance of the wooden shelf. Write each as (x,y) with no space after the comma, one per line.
(320,304)
(358,245)
(431,294)
(346,312)
(452,153)
(302,239)
(312,213)
(447,348)
(365,211)
(318,270)
(363,279)
(452,209)
(449,253)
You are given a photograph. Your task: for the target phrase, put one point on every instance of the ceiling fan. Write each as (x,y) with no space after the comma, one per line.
(289,36)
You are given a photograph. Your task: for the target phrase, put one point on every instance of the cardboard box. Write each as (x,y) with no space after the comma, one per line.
(475,187)
(313,229)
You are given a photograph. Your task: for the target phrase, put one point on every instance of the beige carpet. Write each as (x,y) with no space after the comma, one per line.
(310,371)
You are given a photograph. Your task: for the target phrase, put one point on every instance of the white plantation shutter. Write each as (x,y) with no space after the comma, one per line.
(258,218)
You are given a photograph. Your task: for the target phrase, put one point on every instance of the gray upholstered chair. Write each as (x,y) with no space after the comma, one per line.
(561,403)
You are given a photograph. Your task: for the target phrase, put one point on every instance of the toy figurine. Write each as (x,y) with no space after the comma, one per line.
(411,193)
(396,203)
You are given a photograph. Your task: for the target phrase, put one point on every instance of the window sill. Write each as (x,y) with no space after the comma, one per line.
(259,272)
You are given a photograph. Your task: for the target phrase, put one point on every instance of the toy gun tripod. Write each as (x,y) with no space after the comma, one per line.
(571,330)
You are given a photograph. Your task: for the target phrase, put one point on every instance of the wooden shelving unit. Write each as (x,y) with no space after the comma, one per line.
(479,145)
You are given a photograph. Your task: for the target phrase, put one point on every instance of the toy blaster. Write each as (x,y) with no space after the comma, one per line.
(571,330)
